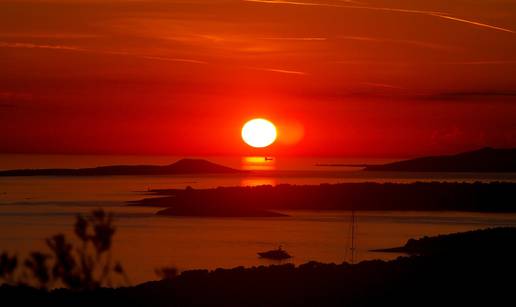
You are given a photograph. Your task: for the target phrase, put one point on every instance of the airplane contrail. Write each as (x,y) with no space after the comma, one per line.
(476,23)
(442,15)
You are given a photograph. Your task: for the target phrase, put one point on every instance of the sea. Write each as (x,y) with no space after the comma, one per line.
(35,208)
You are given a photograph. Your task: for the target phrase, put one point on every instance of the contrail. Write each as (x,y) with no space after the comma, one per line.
(476,23)
(442,15)
(371,8)
(293,3)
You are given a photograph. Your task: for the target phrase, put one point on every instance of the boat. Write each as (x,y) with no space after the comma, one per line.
(268,158)
(275,254)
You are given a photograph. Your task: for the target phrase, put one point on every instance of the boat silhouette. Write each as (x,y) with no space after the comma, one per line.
(275,254)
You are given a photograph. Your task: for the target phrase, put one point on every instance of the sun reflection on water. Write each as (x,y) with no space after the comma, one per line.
(258,163)
(257,181)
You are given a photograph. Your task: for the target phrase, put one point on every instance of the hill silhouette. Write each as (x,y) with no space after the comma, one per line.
(482,160)
(183,166)
(498,240)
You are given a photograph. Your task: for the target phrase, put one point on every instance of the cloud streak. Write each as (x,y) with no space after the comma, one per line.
(105,52)
(295,38)
(485,62)
(39,46)
(383,85)
(281,71)
(469,96)
(397,41)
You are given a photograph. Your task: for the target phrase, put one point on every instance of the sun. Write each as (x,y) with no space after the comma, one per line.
(259,133)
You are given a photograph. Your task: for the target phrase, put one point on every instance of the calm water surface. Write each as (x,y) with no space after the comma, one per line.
(34,208)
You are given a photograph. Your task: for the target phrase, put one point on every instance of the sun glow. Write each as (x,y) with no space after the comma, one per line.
(259,133)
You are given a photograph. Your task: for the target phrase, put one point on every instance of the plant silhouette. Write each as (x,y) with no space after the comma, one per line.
(87,266)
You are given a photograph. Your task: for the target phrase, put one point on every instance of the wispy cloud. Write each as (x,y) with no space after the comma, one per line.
(486,62)
(371,62)
(106,52)
(39,46)
(295,38)
(397,41)
(281,71)
(383,85)
(486,95)
(442,15)
(159,58)
(472,94)
(47,35)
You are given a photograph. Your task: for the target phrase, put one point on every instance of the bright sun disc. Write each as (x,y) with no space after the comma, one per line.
(259,133)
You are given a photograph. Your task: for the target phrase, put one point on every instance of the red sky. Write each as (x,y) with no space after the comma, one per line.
(368,78)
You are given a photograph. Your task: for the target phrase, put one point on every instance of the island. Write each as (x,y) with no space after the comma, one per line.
(485,160)
(183,166)
(252,201)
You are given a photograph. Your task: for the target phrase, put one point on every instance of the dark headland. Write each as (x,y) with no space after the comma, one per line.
(484,160)
(480,275)
(253,201)
(496,240)
(183,166)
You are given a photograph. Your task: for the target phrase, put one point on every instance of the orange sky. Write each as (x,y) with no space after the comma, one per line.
(354,78)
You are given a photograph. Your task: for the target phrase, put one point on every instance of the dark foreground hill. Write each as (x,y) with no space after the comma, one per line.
(449,278)
(482,160)
(184,166)
(431,196)
(495,241)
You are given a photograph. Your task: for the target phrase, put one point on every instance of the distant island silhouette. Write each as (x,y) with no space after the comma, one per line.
(253,201)
(477,275)
(487,159)
(183,166)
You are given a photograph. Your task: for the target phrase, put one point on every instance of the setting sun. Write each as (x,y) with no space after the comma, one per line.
(291,153)
(259,133)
